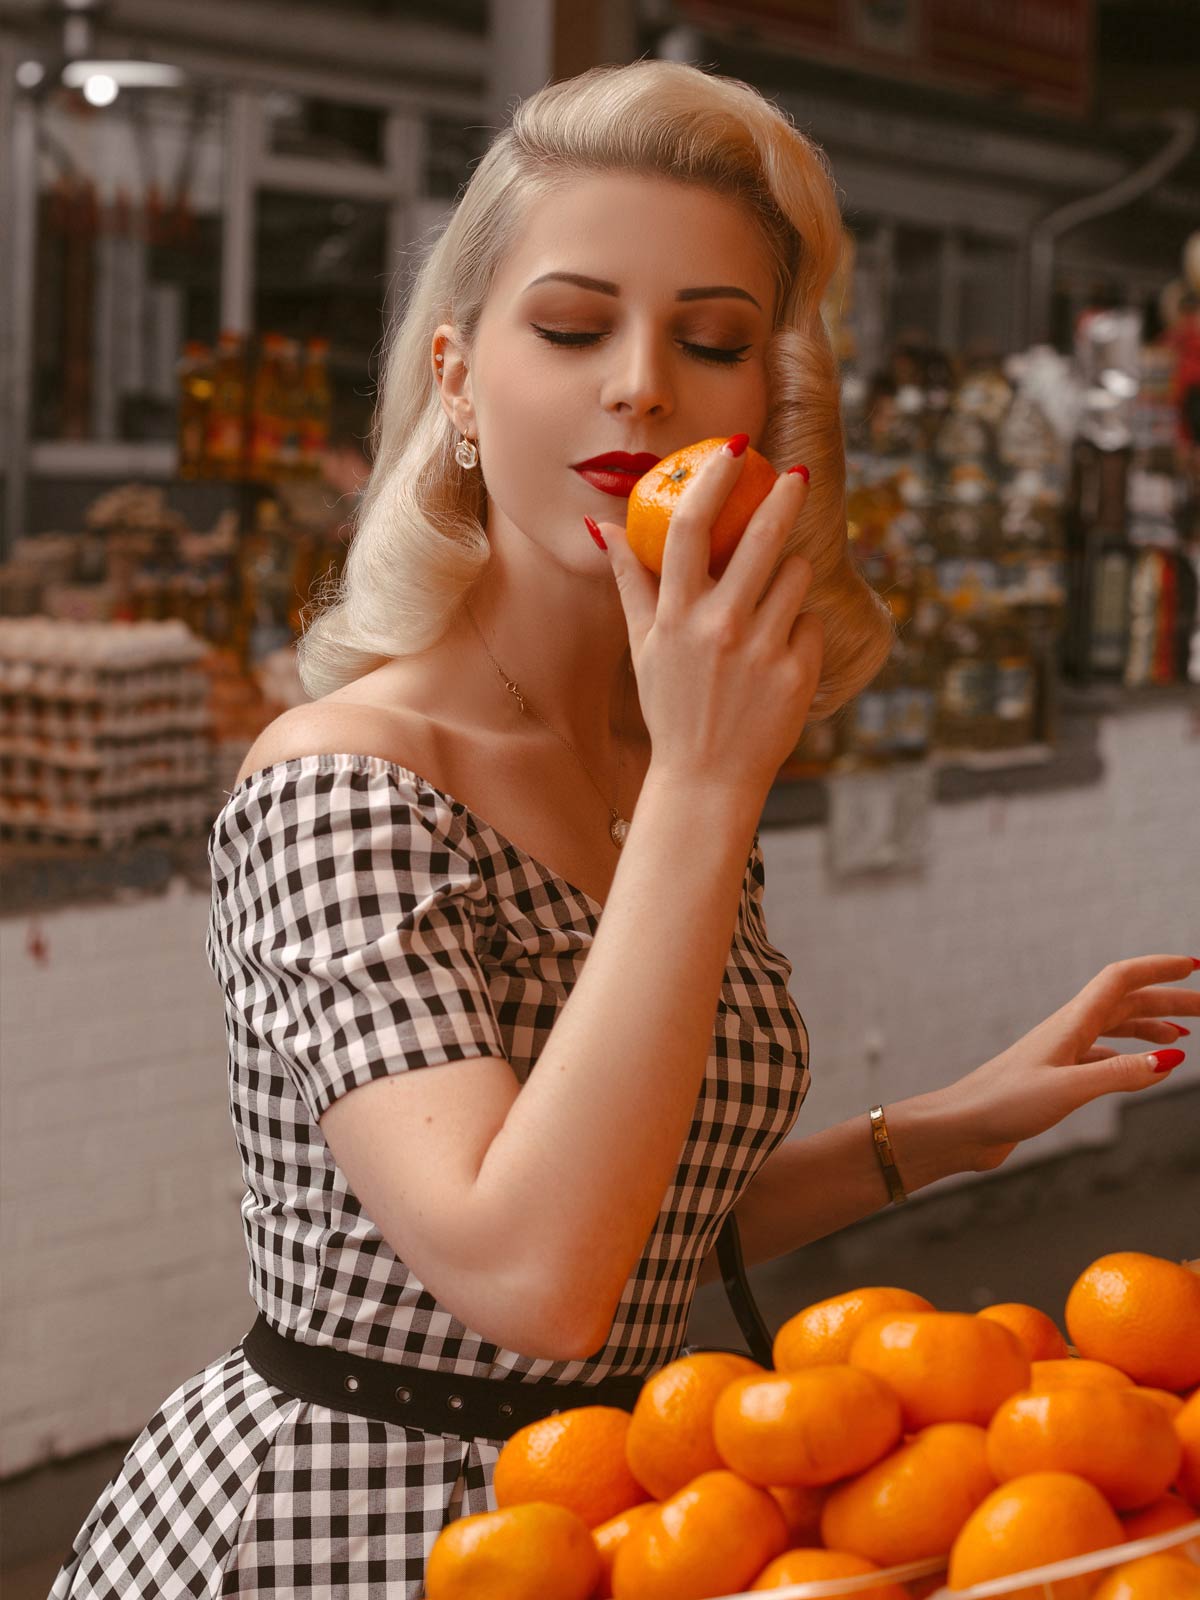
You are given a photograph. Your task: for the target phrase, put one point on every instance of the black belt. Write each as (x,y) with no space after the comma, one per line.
(470,1407)
(420,1397)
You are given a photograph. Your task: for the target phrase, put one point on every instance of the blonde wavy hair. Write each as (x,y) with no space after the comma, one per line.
(420,541)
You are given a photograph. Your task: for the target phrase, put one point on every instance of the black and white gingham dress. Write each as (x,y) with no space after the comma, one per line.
(364,922)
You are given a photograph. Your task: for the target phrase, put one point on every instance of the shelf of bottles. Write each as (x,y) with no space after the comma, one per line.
(255,409)
(1011,558)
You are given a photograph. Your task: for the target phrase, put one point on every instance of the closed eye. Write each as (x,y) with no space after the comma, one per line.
(717,356)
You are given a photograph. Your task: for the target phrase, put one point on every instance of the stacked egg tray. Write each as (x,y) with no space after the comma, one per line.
(105,730)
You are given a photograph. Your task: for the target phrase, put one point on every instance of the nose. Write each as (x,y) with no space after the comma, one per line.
(638,382)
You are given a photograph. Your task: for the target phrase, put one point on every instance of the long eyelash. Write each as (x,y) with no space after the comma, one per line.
(717,357)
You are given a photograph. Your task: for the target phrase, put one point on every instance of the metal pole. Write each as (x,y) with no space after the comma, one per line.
(1044,234)
(242,133)
(19,365)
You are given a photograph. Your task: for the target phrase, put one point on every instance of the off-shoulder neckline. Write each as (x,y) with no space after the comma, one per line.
(395,766)
(596,909)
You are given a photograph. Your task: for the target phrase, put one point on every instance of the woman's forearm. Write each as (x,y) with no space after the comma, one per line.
(811,1187)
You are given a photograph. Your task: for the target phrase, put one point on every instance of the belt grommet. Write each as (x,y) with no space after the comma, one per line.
(455,1402)
(506,1408)
(352,1385)
(404,1396)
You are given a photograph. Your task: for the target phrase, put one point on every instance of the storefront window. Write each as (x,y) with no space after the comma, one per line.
(321,271)
(326,130)
(128,253)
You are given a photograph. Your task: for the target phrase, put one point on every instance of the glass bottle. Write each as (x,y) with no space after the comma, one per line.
(1014,705)
(290,399)
(195,398)
(316,407)
(266,422)
(225,434)
(965,680)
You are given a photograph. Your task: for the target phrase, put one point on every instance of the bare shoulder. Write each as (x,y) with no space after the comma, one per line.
(337,727)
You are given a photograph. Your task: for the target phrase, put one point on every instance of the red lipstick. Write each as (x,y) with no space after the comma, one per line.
(616,471)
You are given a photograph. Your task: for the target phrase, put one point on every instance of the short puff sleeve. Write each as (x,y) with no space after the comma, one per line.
(346,903)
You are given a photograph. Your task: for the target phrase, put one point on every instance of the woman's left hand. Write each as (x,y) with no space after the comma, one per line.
(1058,1066)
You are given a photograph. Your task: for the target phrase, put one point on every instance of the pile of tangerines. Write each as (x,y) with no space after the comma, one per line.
(886,1433)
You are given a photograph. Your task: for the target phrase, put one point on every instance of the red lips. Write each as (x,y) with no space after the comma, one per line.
(622,461)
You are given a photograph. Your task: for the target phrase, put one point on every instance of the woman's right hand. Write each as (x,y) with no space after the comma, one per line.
(725,673)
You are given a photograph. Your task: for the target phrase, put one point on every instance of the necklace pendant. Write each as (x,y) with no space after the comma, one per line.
(618,830)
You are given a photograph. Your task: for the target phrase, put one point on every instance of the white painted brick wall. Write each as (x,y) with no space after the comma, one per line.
(120,1239)
(1023,900)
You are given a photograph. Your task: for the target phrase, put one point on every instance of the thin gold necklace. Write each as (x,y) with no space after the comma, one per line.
(618,827)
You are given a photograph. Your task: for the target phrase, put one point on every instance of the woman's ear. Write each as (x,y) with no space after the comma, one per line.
(453,378)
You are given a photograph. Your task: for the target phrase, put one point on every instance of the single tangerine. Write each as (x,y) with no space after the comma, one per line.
(946,1366)
(670,1438)
(712,1538)
(1034,1521)
(1140,1313)
(611,1535)
(819,1566)
(654,499)
(1165,1576)
(1172,1404)
(1187,1425)
(1115,1438)
(809,1428)
(1158,1517)
(911,1505)
(521,1553)
(824,1331)
(1037,1332)
(575,1459)
(1074,1372)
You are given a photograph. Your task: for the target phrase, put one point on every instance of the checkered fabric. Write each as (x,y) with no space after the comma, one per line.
(364,922)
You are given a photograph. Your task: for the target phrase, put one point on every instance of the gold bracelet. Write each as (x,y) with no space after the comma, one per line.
(883,1149)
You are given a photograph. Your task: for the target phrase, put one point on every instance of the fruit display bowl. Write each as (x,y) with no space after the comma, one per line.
(1064,1580)
(920,1578)
(1068,1580)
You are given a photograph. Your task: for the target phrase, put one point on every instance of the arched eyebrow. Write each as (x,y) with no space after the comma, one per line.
(719,291)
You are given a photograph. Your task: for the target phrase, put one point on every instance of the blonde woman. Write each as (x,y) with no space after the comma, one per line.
(508,1036)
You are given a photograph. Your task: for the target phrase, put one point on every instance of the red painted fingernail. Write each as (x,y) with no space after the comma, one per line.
(1195,962)
(1164,1060)
(736,444)
(1179,1026)
(803,471)
(595,533)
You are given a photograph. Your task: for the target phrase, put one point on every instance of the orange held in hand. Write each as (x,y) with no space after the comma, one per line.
(523,1553)
(655,496)
(576,1460)
(1141,1313)
(712,1538)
